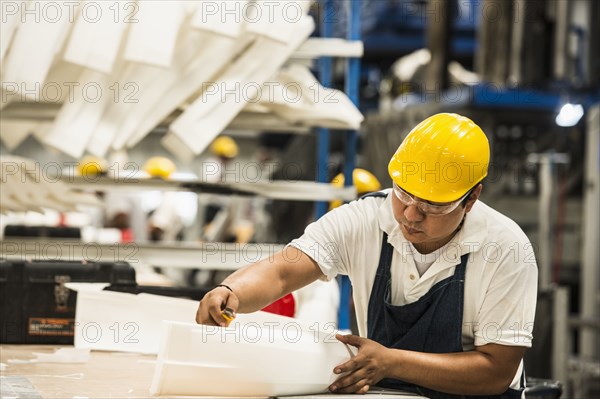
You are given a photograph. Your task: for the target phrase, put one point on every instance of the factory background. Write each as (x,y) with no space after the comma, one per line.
(177,139)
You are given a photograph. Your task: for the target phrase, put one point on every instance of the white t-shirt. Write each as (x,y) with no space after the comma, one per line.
(501,276)
(423,261)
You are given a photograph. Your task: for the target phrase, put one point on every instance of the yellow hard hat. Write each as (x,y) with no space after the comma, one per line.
(441,159)
(91,166)
(159,167)
(364,181)
(225,147)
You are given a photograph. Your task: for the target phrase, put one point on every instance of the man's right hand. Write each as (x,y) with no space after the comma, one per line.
(212,305)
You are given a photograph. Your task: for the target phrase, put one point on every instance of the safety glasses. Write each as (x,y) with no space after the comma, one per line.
(427,207)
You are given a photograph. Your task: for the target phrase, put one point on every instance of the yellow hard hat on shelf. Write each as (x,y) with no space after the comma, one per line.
(441,159)
(159,167)
(91,166)
(364,181)
(225,147)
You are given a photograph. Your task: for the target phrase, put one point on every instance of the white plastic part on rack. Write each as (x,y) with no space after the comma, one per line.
(147,43)
(103,133)
(95,42)
(189,76)
(218,18)
(14,132)
(27,194)
(140,83)
(75,123)
(26,70)
(213,361)
(275,23)
(193,43)
(25,188)
(312,104)
(11,15)
(138,76)
(216,108)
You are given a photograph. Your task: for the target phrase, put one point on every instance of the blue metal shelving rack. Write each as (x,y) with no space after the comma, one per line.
(351,86)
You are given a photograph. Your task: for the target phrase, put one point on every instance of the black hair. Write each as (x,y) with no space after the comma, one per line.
(469,194)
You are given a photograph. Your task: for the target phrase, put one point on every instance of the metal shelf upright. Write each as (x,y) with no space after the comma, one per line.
(351,86)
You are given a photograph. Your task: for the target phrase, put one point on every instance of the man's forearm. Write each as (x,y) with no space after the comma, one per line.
(466,373)
(262,283)
(248,285)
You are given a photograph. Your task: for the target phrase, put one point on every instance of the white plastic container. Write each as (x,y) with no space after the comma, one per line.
(246,359)
(116,321)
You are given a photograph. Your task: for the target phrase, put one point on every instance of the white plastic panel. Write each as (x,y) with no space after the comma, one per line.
(246,359)
(153,35)
(95,42)
(117,321)
(214,110)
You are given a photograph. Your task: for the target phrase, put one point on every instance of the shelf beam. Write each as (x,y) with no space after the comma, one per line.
(274,189)
(329,47)
(212,255)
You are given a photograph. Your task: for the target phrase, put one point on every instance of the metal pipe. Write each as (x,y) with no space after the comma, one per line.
(560,335)
(438,42)
(515,75)
(545,243)
(351,87)
(563,17)
(547,178)
(580,322)
(590,270)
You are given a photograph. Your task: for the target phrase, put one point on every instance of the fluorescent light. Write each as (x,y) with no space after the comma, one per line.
(569,115)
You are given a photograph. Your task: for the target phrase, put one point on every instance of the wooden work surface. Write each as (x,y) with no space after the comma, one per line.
(105,375)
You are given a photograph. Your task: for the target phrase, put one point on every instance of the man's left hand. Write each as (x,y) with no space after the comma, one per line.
(365,369)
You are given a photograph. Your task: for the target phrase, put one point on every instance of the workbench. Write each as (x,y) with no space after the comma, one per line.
(105,375)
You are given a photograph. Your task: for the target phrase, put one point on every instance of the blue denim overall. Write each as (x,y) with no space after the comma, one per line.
(433,324)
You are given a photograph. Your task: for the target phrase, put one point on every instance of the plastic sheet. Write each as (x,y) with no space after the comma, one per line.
(246,359)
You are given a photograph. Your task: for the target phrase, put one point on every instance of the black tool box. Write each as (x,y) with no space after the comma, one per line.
(42,231)
(37,308)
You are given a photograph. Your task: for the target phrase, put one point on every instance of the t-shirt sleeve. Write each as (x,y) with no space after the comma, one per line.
(328,241)
(508,309)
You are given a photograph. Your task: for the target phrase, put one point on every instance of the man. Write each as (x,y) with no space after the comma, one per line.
(444,286)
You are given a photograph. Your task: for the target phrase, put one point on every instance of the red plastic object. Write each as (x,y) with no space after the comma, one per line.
(284,306)
(126,235)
